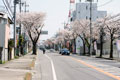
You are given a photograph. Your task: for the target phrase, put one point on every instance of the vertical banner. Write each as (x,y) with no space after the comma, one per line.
(72,1)
(69,13)
(118,47)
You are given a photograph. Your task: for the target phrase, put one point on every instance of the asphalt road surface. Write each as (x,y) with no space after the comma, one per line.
(53,66)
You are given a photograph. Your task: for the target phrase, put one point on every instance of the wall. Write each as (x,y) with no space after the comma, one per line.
(7,35)
(4,36)
(2,33)
(79,44)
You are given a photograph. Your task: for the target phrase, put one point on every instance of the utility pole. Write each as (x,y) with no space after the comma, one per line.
(20,12)
(26,7)
(20,4)
(90,27)
(25,4)
(15,3)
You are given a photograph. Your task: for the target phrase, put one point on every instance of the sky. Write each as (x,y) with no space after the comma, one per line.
(57,12)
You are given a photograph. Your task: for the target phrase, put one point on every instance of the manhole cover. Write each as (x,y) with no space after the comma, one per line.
(7,67)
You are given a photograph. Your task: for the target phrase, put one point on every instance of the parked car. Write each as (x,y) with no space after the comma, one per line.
(64,51)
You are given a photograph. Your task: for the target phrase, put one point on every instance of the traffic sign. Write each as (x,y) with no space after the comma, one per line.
(44,32)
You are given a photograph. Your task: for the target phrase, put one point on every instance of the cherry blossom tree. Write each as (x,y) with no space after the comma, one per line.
(113,30)
(81,29)
(68,38)
(63,36)
(98,31)
(109,26)
(49,43)
(33,24)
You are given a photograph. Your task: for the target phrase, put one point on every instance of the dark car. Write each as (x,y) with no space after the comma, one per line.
(64,51)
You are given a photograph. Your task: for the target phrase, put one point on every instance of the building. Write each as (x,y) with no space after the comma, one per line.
(83,12)
(6,16)
(4,36)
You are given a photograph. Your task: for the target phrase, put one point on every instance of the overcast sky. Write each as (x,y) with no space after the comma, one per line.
(57,12)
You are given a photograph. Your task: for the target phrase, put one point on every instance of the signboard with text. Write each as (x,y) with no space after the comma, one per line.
(44,32)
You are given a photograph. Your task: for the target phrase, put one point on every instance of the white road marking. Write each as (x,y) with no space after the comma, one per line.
(53,69)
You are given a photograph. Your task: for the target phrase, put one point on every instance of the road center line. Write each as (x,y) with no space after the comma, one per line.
(98,69)
(53,68)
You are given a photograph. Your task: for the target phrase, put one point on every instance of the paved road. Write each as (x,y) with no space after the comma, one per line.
(113,63)
(53,66)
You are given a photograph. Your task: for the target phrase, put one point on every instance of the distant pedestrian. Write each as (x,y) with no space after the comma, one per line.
(43,51)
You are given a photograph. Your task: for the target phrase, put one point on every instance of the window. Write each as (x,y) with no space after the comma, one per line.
(86,17)
(86,7)
(3,21)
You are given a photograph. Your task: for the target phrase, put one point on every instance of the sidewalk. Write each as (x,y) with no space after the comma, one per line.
(18,68)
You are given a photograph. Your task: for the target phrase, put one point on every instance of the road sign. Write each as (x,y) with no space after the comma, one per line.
(44,32)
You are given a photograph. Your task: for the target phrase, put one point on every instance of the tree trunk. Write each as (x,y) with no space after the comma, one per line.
(34,48)
(1,53)
(69,46)
(88,45)
(21,50)
(74,46)
(84,49)
(89,50)
(111,46)
(101,46)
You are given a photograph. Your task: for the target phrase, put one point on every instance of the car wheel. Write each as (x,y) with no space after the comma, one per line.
(68,54)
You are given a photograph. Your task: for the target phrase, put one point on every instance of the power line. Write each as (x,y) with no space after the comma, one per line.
(8,9)
(9,6)
(105,3)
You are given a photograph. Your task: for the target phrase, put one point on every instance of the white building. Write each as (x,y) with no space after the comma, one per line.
(6,15)
(83,12)
(4,36)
